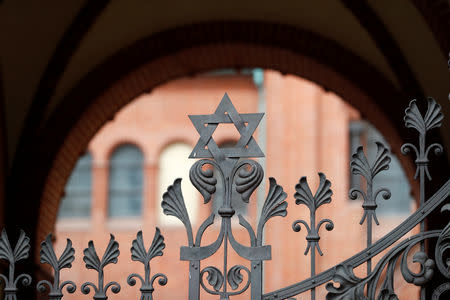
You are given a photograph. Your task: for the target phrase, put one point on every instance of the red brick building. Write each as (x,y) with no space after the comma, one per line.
(117,185)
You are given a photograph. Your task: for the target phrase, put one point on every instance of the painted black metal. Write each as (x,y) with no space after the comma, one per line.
(48,256)
(360,166)
(138,253)
(93,262)
(20,252)
(304,196)
(240,177)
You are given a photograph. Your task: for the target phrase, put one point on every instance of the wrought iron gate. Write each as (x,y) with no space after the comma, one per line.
(239,173)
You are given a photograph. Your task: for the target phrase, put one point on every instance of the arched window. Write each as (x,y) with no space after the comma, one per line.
(76,202)
(125,182)
(174,163)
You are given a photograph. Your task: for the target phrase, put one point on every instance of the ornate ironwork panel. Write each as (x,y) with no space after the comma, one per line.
(240,176)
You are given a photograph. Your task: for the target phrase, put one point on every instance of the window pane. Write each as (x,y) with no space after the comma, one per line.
(125,182)
(77,199)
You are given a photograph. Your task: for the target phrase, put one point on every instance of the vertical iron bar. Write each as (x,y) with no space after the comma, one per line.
(225,262)
(313,270)
(194,280)
(256,279)
(422,224)
(369,242)
(422,167)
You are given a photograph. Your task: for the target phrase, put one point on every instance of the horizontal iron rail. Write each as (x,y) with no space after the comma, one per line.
(366,254)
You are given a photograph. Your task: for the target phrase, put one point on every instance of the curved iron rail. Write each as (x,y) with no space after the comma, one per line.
(438,198)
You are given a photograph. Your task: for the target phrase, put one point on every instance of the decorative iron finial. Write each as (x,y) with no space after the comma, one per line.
(304,196)
(139,253)
(240,177)
(21,251)
(48,256)
(92,261)
(414,119)
(361,166)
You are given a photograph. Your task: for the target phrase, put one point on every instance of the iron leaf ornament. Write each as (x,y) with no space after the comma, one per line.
(414,119)
(360,166)
(235,276)
(20,252)
(203,180)
(48,256)
(350,287)
(173,205)
(93,262)
(214,278)
(303,195)
(247,180)
(274,205)
(139,253)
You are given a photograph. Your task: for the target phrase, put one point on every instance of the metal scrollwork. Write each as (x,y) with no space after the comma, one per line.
(247,180)
(235,277)
(240,177)
(443,245)
(274,205)
(20,252)
(215,279)
(139,253)
(93,262)
(427,267)
(203,180)
(352,287)
(414,119)
(48,256)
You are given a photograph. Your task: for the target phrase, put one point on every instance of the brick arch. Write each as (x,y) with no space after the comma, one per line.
(190,50)
(124,142)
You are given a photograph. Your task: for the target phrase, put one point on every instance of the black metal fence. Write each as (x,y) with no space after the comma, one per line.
(240,174)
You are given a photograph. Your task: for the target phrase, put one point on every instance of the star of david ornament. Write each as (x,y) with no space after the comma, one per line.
(245,124)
